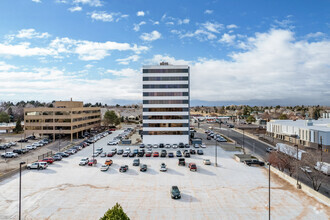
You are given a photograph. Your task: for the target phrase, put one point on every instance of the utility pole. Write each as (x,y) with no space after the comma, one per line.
(243,142)
(59,141)
(297,167)
(20,189)
(269,191)
(321,149)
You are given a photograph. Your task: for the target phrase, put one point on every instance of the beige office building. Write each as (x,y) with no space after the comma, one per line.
(67,118)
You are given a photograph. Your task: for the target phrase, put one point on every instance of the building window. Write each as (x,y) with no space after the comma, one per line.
(165,94)
(167,78)
(166,125)
(165,101)
(165,109)
(170,86)
(165,70)
(165,117)
(165,132)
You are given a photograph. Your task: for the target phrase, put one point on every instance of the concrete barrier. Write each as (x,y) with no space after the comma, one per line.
(322,198)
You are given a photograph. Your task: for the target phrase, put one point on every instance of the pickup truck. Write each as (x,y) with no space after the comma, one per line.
(9,155)
(37,165)
(254,162)
(181,162)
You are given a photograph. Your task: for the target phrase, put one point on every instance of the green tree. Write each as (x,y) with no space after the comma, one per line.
(115,213)
(18,127)
(316,113)
(283,117)
(111,118)
(4,117)
(250,119)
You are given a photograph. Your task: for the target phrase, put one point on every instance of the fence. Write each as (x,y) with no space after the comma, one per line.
(48,154)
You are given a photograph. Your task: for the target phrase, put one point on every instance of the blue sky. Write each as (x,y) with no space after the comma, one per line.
(240,52)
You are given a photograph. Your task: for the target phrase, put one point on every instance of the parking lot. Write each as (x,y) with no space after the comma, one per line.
(232,190)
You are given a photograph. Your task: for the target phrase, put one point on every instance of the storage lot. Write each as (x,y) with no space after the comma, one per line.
(231,191)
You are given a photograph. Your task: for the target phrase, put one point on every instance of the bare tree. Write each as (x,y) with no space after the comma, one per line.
(315,176)
(283,162)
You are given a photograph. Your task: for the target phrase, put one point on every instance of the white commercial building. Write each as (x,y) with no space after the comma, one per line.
(305,132)
(166,104)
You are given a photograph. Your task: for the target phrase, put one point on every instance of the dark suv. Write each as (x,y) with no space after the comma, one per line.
(254,162)
(175,192)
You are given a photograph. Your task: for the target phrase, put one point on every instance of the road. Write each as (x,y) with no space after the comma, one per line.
(259,149)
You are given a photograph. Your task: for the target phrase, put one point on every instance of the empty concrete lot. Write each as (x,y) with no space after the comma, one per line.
(230,191)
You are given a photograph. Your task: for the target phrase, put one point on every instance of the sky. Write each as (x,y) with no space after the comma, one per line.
(256,52)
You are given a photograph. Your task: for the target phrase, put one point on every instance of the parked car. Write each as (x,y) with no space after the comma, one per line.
(142,145)
(207,162)
(163,153)
(186,154)
(181,162)
(208,138)
(9,155)
(57,157)
(192,151)
(108,162)
(143,168)
(131,154)
(200,152)
(167,146)
(37,165)
(155,154)
(104,154)
(49,160)
(175,146)
(161,145)
(254,162)
(148,154)
(170,154)
(163,167)
(178,154)
(192,167)
(104,167)
(187,146)
(175,192)
(136,162)
(22,140)
(155,146)
(140,154)
(30,147)
(196,145)
(120,151)
(203,146)
(19,151)
(270,149)
(92,162)
(110,154)
(123,168)
(83,161)
(62,154)
(306,169)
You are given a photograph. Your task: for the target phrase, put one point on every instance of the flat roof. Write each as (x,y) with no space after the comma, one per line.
(322,124)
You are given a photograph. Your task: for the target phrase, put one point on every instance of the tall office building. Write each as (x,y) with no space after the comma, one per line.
(166,104)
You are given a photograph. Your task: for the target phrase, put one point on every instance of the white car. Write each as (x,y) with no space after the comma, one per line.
(155,146)
(37,165)
(167,146)
(163,167)
(83,161)
(175,146)
(149,151)
(306,169)
(203,146)
(30,147)
(9,155)
(207,162)
(104,167)
(13,143)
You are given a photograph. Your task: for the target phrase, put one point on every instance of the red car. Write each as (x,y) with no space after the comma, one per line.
(48,160)
(92,162)
(110,154)
(148,154)
(155,154)
(192,167)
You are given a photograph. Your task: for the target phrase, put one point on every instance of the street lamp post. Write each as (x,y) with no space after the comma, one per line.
(243,142)
(20,186)
(59,141)
(297,169)
(269,191)
(216,153)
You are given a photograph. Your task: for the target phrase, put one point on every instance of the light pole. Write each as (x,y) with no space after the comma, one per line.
(243,142)
(216,153)
(20,186)
(59,141)
(321,148)
(21,140)
(297,169)
(269,191)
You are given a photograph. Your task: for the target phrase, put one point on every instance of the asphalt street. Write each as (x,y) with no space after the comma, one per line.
(258,148)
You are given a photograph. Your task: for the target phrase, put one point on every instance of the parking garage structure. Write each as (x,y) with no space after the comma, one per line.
(166,103)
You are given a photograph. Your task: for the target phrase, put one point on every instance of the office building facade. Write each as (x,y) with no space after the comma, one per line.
(166,97)
(66,118)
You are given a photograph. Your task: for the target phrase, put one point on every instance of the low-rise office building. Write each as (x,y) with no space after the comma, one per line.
(68,118)
(309,133)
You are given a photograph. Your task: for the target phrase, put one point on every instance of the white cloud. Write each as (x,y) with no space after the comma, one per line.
(154,35)
(184,21)
(126,61)
(88,66)
(315,35)
(31,33)
(208,11)
(231,26)
(93,3)
(200,34)
(6,67)
(158,58)
(137,26)
(37,1)
(24,49)
(226,38)
(212,27)
(74,9)
(156,23)
(106,17)
(140,13)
